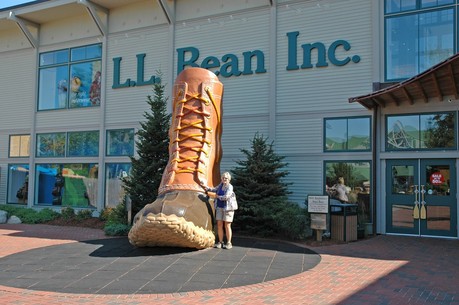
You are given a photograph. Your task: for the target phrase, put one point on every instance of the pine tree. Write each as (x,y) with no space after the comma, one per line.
(152,147)
(262,195)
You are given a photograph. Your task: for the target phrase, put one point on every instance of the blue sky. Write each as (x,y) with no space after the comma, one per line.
(8,3)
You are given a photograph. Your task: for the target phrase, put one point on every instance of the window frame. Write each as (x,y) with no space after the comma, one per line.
(368,213)
(91,85)
(347,133)
(131,142)
(416,12)
(419,131)
(19,146)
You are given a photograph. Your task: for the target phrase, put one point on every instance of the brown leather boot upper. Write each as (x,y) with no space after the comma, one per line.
(195,134)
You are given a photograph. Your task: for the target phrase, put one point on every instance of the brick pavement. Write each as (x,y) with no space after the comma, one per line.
(378,271)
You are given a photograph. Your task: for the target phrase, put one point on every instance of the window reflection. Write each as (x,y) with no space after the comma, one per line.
(402,216)
(402,179)
(114,187)
(426,131)
(347,134)
(350,182)
(438,218)
(120,142)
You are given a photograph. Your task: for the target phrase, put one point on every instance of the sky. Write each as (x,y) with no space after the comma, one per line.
(8,3)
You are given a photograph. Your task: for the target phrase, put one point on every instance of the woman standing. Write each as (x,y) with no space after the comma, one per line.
(223,215)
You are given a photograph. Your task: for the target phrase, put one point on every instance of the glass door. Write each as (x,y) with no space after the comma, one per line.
(421,197)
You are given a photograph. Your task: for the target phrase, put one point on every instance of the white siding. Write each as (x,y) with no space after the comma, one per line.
(127,105)
(69,29)
(324,88)
(205,8)
(17,89)
(135,15)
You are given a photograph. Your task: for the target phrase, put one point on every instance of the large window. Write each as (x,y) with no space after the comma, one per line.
(114,186)
(345,134)
(120,142)
(80,144)
(350,182)
(421,131)
(419,34)
(73,185)
(19,146)
(70,78)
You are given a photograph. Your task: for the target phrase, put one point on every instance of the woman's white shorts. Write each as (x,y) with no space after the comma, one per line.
(222,214)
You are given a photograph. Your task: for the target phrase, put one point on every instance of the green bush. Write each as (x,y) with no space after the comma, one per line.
(68,213)
(116,215)
(116,229)
(30,216)
(84,214)
(293,221)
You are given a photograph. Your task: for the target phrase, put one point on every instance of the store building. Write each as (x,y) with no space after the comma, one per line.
(360,89)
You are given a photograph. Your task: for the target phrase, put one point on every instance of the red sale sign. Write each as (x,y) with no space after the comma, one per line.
(437,178)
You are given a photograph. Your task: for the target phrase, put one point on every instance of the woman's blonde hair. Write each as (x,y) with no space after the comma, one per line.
(226,175)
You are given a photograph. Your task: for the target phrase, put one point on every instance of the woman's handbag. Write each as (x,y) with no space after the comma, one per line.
(231,204)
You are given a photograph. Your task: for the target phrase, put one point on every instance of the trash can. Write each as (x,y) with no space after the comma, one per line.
(343,221)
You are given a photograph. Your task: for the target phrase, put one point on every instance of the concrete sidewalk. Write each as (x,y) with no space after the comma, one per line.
(43,264)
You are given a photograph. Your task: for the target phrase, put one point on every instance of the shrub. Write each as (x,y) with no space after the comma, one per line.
(84,214)
(293,222)
(68,213)
(31,216)
(116,229)
(116,215)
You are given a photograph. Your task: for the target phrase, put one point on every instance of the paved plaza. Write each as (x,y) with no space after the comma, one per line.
(42,264)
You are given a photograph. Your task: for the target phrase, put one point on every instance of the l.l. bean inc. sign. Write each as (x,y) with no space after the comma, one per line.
(246,63)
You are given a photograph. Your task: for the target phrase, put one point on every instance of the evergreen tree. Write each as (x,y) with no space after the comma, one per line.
(152,147)
(262,195)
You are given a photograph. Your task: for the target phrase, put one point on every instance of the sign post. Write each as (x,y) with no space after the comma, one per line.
(318,209)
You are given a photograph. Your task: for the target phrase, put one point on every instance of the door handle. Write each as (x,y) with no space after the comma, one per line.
(423,203)
(416,203)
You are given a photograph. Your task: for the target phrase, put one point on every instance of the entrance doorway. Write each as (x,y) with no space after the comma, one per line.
(421,197)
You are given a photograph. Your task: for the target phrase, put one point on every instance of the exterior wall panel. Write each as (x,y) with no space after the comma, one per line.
(128,104)
(135,16)
(311,88)
(203,8)
(17,89)
(69,29)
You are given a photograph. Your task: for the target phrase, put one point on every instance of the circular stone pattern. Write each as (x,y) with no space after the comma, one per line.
(113,266)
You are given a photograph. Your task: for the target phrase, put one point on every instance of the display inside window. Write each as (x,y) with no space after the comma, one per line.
(19,146)
(83,144)
(70,81)
(18,184)
(417,41)
(350,182)
(120,142)
(425,131)
(71,185)
(115,192)
(85,84)
(346,134)
(51,145)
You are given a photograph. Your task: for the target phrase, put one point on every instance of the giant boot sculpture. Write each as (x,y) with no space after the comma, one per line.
(181,216)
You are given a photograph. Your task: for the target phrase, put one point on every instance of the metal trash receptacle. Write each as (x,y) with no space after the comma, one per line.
(343,221)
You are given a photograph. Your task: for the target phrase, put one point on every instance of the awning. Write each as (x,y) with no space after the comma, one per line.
(431,86)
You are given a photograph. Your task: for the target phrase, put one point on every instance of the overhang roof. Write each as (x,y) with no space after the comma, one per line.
(433,85)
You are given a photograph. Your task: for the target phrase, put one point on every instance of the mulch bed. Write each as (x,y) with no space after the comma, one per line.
(94,223)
